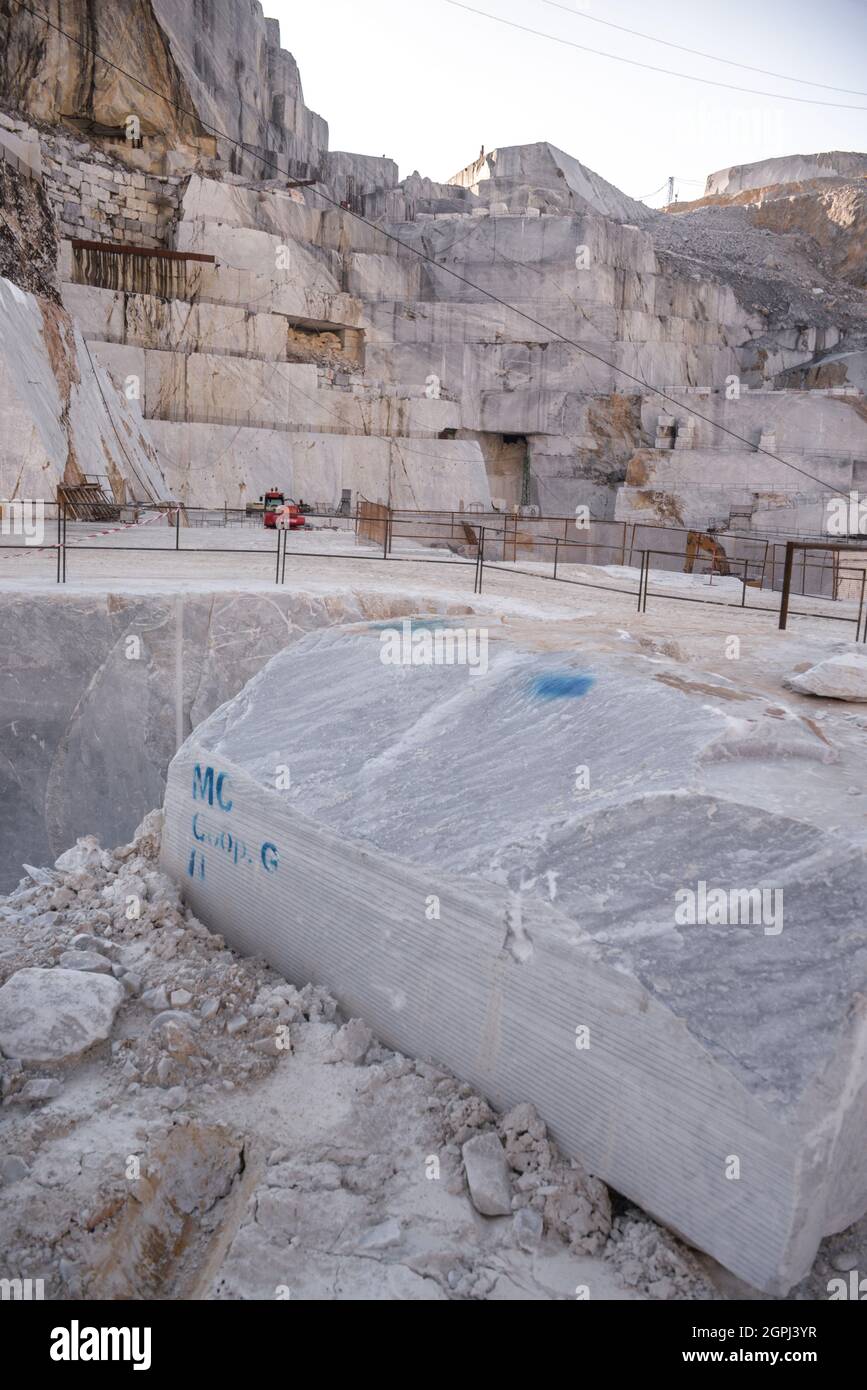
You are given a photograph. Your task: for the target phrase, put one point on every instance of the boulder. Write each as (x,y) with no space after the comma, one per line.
(841,677)
(55,1015)
(669,965)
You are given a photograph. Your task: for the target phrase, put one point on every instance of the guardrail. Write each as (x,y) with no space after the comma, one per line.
(485,548)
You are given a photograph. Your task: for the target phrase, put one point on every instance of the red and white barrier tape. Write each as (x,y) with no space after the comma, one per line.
(109,531)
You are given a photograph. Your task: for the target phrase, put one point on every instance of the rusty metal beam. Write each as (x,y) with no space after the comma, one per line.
(118,248)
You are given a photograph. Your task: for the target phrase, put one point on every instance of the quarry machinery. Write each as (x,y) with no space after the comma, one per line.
(278,512)
(699,542)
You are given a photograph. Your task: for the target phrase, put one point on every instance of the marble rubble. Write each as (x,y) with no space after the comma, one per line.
(188,1156)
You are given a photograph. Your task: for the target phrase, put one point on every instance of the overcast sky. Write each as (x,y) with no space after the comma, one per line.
(428,83)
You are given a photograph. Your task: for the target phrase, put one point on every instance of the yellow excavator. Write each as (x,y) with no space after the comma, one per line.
(701,543)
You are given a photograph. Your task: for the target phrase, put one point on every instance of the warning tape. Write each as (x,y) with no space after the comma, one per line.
(20,551)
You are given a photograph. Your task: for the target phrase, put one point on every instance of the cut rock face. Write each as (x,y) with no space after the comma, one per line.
(668,960)
(55,1015)
(838,678)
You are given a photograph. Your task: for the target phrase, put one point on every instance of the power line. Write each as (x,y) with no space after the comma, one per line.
(696,53)
(649,67)
(698,183)
(430,260)
(653,194)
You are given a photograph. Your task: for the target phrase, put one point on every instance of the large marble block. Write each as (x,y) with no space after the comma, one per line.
(572,885)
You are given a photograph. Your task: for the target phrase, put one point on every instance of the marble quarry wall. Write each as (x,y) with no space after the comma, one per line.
(96,198)
(701,476)
(541,178)
(60,416)
(789,169)
(414,352)
(520,312)
(219,63)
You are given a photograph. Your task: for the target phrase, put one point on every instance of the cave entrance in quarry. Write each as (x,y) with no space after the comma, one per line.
(507,464)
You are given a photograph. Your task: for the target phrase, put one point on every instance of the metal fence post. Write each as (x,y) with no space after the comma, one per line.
(764,568)
(556,555)
(279,540)
(787,584)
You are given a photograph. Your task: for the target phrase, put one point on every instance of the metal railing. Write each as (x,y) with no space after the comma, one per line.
(485,547)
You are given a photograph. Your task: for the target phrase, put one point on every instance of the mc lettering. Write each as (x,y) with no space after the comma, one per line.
(206,787)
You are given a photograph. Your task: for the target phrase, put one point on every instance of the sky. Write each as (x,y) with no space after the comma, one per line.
(428,83)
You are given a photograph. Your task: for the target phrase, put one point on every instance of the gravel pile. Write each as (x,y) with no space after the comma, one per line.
(775,273)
